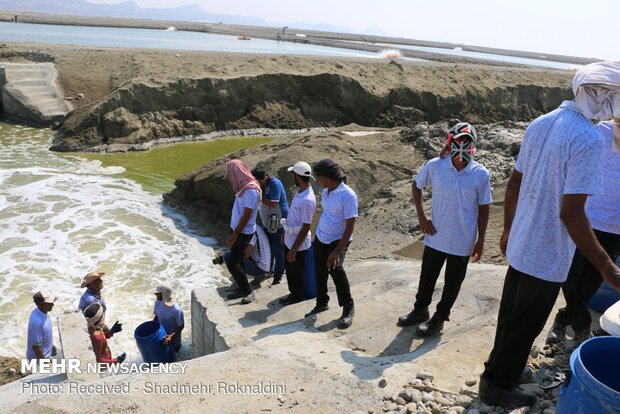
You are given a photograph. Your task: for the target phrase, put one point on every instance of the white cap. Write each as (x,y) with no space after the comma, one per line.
(302,168)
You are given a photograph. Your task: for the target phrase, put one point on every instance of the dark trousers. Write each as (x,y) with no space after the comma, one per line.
(582,283)
(235,263)
(321,252)
(432,261)
(525,306)
(295,273)
(277,252)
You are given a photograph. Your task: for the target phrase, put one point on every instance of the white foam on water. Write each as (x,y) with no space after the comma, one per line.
(62,216)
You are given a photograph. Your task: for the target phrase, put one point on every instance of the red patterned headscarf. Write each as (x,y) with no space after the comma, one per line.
(241,178)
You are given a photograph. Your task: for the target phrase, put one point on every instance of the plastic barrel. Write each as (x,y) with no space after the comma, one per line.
(594,385)
(148,338)
(605,297)
(309,275)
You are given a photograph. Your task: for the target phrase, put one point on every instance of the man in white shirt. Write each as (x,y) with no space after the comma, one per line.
(297,238)
(460,211)
(333,237)
(604,213)
(559,165)
(40,344)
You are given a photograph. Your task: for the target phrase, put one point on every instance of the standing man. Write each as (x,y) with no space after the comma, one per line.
(559,165)
(604,213)
(243,224)
(93,282)
(333,237)
(273,208)
(297,238)
(40,337)
(170,315)
(460,203)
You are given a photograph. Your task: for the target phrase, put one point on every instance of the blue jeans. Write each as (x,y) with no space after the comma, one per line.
(250,267)
(277,252)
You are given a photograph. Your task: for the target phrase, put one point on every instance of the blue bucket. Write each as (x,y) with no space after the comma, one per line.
(309,275)
(594,386)
(148,338)
(604,298)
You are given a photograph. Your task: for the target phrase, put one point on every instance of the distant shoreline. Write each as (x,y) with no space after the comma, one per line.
(331,39)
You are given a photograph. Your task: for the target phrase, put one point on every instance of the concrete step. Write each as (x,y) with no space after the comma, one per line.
(34,87)
(28,82)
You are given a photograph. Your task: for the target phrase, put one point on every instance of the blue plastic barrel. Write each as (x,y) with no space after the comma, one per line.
(605,297)
(309,275)
(148,338)
(594,385)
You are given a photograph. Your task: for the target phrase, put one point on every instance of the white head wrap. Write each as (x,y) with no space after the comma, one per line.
(166,294)
(597,90)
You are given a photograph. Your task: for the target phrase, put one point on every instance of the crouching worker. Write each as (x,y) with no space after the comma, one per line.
(460,211)
(257,257)
(99,334)
(170,315)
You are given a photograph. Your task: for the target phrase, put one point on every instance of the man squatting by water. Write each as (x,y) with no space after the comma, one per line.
(558,166)
(460,210)
(333,236)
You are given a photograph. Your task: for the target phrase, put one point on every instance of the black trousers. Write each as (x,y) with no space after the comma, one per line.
(525,306)
(456,268)
(343,290)
(235,263)
(295,273)
(582,283)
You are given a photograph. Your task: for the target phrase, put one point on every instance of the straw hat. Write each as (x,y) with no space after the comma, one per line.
(91,277)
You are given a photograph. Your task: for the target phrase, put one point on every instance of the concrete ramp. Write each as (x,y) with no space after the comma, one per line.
(31,94)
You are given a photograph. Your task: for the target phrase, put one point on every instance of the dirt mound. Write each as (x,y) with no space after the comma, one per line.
(141,111)
(379,168)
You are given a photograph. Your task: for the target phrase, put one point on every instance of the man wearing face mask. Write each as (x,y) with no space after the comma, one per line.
(460,211)
(559,165)
(297,232)
(604,213)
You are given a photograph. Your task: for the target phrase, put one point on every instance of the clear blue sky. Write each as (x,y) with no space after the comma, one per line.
(571,27)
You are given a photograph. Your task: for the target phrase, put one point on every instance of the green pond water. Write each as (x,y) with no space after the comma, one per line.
(157,168)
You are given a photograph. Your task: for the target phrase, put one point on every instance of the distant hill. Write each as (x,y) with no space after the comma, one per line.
(127,9)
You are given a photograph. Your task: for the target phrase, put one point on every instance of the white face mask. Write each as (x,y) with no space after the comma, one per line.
(597,102)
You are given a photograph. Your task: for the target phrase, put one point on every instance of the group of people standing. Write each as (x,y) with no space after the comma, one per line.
(290,230)
(552,238)
(92,305)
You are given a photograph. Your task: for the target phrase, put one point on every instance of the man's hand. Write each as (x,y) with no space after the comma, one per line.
(333,260)
(117,327)
(477,253)
(426,225)
(503,242)
(232,239)
(167,339)
(248,252)
(290,256)
(612,277)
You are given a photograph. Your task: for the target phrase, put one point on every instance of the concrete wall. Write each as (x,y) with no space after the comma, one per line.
(213,328)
